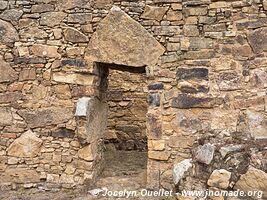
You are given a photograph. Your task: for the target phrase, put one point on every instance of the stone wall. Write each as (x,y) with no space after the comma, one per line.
(206,73)
(127,97)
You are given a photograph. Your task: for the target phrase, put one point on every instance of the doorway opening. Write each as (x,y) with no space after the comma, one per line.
(125,140)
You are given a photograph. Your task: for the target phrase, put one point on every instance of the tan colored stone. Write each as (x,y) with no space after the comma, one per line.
(223,63)
(87,153)
(80,79)
(159,155)
(52,178)
(181,141)
(33,32)
(75,51)
(257,124)
(70,4)
(27,145)
(264,4)
(66,178)
(75,36)
(27,74)
(62,91)
(174,15)
(220,179)
(177,6)
(8,74)
(23,51)
(45,51)
(224,119)
(8,33)
(39,92)
(43,117)
(121,40)
(70,169)
(156,145)
(52,18)
(154,13)
(5,116)
(253,180)
(219,4)
(19,175)
(100,4)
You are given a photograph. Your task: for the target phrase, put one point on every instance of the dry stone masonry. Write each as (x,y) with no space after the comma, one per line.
(205,82)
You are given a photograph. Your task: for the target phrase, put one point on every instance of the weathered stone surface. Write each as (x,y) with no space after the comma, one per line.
(81,18)
(154,100)
(179,170)
(80,79)
(174,15)
(46,116)
(70,4)
(100,4)
(19,175)
(11,15)
(154,127)
(9,97)
(181,142)
(121,40)
(5,117)
(228,81)
(205,153)
(219,179)
(257,124)
(229,149)
(253,180)
(27,145)
(257,40)
(52,18)
(159,155)
(87,153)
(8,74)
(156,145)
(194,73)
(154,13)
(3,5)
(8,34)
(224,119)
(82,106)
(73,35)
(196,11)
(223,63)
(219,4)
(188,101)
(27,74)
(62,91)
(45,51)
(33,32)
(40,8)
(155,86)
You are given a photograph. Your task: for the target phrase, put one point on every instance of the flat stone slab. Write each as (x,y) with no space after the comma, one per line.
(121,40)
